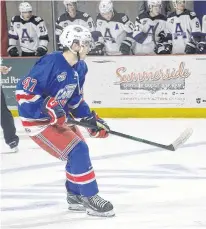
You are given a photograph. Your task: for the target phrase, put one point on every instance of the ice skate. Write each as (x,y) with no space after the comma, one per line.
(75,202)
(97,206)
(14,147)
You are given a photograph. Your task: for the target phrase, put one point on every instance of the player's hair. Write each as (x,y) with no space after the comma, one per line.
(65,49)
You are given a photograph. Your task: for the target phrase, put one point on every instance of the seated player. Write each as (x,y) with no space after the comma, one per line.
(30,31)
(183,25)
(150,31)
(115,30)
(72,16)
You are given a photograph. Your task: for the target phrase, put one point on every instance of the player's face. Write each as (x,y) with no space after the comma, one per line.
(84,52)
(155,10)
(108,16)
(71,9)
(26,15)
(180,5)
(85,49)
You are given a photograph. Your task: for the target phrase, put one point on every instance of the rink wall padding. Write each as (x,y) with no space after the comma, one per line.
(133,86)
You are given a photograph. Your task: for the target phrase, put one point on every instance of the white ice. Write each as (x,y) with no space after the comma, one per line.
(149,187)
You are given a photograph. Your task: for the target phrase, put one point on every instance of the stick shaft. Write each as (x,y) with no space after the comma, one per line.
(121,135)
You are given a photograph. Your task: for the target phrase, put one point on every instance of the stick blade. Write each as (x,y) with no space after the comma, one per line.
(184,136)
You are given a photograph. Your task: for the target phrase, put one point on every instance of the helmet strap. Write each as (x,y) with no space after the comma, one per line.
(71,50)
(78,56)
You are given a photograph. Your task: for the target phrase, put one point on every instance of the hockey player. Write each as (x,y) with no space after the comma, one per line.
(30,31)
(7,120)
(201,46)
(150,30)
(50,92)
(115,28)
(165,9)
(183,25)
(72,16)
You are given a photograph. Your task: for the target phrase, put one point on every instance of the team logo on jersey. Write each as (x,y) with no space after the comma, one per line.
(65,93)
(65,24)
(100,23)
(78,29)
(61,77)
(18,26)
(25,36)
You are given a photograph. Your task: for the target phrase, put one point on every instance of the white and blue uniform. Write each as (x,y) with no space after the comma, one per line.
(182,27)
(31,34)
(146,32)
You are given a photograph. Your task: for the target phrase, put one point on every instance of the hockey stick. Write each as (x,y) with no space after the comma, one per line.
(172,147)
(153,34)
(27,48)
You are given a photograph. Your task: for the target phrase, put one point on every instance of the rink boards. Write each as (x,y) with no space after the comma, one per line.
(134,86)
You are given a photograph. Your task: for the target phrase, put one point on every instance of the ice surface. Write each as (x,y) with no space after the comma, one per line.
(149,187)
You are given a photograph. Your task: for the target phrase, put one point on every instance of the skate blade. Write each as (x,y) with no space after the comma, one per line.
(10,151)
(100,214)
(14,150)
(76,208)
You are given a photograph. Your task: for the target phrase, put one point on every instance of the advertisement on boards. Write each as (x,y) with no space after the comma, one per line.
(146,81)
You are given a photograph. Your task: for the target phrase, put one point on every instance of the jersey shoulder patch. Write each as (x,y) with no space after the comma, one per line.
(16,19)
(85,15)
(125,19)
(82,15)
(191,14)
(120,17)
(137,19)
(36,20)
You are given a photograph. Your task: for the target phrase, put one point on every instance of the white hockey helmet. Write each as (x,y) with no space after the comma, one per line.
(105,6)
(151,3)
(66,2)
(175,2)
(75,34)
(25,7)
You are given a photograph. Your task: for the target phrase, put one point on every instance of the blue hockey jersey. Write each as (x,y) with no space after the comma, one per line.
(51,76)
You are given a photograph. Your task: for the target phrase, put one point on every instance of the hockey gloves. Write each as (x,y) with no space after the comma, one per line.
(190,48)
(98,50)
(54,110)
(13,51)
(125,48)
(201,47)
(41,51)
(102,128)
(163,48)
